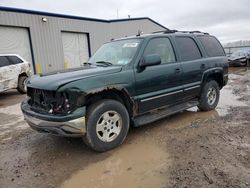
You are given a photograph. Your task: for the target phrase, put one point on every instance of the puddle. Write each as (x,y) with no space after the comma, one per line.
(11,121)
(239,70)
(190,117)
(13,110)
(143,166)
(227,100)
(10,116)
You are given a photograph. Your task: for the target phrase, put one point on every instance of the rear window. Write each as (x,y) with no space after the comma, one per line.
(4,61)
(188,49)
(212,46)
(14,59)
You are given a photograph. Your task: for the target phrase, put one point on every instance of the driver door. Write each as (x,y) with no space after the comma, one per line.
(159,85)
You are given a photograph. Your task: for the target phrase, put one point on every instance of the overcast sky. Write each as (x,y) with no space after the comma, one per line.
(229,20)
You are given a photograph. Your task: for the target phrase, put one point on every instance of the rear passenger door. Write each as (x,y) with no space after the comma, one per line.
(159,85)
(193,65)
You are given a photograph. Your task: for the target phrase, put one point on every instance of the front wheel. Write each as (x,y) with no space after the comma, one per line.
(107,125)
(210,95)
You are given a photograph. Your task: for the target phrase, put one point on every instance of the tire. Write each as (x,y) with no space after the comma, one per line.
(21,84)
(107,125)
(210,95)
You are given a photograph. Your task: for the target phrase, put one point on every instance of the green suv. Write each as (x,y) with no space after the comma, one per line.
(130,81)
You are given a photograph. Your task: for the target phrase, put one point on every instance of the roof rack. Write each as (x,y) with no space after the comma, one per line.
(166,31)
(175,31)
(195,32)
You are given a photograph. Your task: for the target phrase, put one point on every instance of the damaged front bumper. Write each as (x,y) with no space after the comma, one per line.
(71,125)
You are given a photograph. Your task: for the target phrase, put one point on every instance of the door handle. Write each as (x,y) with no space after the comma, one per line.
(177,71)
(203,66)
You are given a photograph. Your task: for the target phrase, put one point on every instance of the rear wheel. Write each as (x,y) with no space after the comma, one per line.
(22,84)
(107,125)
(210,95)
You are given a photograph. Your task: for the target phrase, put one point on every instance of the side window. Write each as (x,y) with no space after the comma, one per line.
(163,47)
(4,61)
(212,46)
(188,49)
(14,59)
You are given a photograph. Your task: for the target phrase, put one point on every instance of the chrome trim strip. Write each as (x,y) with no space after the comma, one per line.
(191,88)
(163,95)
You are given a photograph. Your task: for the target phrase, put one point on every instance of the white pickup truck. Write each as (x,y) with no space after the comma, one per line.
(14,72)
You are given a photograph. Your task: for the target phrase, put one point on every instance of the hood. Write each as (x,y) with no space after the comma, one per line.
(52,81)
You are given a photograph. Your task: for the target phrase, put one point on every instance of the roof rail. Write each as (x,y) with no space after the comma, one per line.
(194,32)
(175,31)
(171,31)
(199,32)
(159,31)
(166,31)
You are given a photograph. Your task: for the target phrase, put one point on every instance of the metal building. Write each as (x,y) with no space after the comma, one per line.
(54,41)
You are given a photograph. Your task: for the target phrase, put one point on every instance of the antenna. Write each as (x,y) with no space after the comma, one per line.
(117,13)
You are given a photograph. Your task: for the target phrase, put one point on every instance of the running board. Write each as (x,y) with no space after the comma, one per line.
(162,113)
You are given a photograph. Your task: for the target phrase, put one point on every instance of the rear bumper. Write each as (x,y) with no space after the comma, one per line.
(72,125)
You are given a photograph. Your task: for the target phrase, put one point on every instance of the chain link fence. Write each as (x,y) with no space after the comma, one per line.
(230,50)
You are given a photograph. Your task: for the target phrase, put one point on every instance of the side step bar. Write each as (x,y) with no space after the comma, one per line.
(162,113)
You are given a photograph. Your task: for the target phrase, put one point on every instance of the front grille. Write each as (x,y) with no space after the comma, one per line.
(52,102)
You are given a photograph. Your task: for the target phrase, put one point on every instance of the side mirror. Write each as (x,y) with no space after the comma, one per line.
(150,60)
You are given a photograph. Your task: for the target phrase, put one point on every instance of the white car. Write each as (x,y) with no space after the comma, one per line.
(14,72)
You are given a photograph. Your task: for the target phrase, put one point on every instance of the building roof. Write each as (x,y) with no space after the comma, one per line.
(19,10)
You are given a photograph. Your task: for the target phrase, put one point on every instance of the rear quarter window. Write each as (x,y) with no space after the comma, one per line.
(188,49)
(14,59)
(212,46)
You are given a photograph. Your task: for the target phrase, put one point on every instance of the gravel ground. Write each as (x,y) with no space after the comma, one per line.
(189,149)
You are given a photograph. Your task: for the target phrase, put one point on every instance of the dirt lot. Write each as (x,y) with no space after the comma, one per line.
(189,149)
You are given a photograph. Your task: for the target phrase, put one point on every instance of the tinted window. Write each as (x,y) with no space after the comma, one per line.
(188,49)
(14,59)
(212,46)
(161,46)
(4,61)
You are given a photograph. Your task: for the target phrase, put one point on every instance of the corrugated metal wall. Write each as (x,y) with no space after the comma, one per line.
(46,38)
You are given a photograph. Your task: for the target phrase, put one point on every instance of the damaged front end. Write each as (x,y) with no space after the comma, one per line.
(59,113)
(52,102)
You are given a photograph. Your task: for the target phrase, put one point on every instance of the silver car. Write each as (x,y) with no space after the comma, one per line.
(14,71)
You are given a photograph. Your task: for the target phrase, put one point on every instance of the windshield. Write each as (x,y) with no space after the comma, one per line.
(117,52)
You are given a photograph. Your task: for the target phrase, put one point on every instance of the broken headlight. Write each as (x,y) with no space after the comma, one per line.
(66,102)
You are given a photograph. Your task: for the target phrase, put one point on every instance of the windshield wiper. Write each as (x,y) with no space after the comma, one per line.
(106,63)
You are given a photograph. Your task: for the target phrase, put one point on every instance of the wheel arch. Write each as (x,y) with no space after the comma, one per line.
(213,74)
(22,74)
(112,92)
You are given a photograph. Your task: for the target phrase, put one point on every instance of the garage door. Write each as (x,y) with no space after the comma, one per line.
(75,47)
(15,40)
